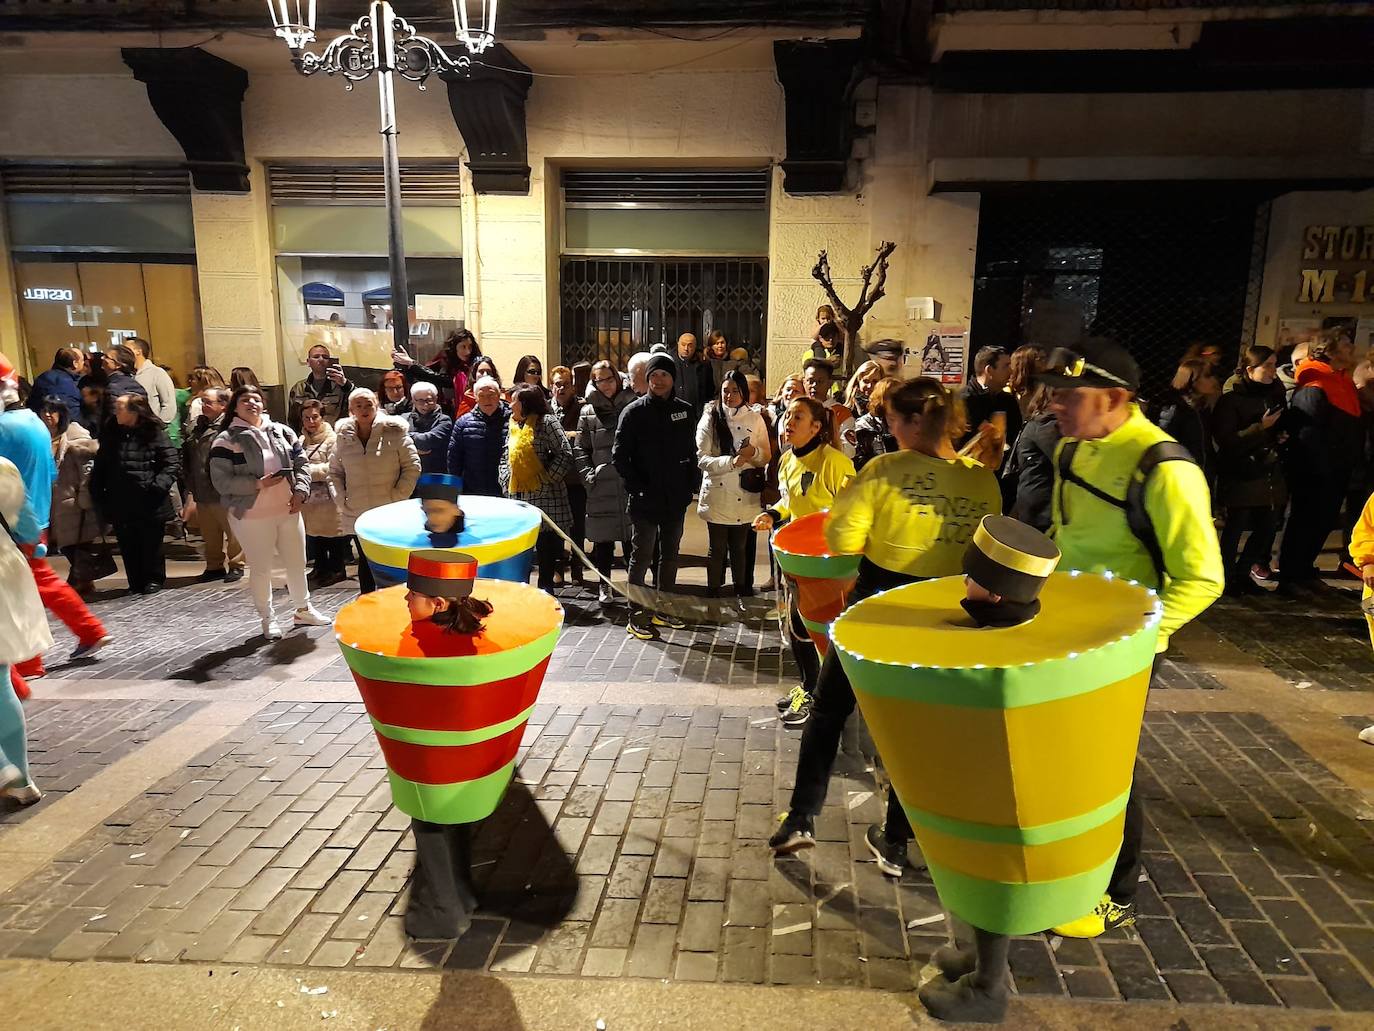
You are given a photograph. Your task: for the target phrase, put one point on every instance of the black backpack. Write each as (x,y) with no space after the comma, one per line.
(1133,504)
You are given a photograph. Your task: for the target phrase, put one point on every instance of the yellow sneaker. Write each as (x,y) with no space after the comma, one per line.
(1105,915)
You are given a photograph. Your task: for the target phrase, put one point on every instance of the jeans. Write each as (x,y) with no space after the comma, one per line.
(141,545)
(14,750)
(727,542)
(265,542)
(831,704)
(650,533)
(1262,522)
(221,546)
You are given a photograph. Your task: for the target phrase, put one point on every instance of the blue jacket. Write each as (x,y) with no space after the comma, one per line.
(474,450)
(25,441)
(431,436)
(57,383)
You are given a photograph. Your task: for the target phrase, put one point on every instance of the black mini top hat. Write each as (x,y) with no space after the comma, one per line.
(441,574)
(1010,559)
(438,487)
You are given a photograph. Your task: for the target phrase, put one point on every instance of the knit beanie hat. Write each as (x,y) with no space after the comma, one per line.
(663,363)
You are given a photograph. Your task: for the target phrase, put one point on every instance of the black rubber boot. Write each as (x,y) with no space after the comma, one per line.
(976,998)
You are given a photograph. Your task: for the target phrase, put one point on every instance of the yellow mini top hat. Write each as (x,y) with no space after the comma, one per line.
(1010,559)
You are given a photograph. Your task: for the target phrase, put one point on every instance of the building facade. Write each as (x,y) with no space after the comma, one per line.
(1164,174)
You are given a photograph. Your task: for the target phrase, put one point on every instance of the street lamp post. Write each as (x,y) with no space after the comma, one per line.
(384,44)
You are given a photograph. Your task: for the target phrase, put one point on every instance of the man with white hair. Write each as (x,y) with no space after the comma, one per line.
(430,428)
(479,437)
(638,370)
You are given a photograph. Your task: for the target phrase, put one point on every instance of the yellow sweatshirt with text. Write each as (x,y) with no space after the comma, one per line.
(913,514)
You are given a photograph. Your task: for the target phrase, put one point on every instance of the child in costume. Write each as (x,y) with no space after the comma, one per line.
(980,707)
(449,668)
(810,475)
(498,532)
(973,985)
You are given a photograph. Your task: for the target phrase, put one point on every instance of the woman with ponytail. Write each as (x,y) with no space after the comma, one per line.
(910,514)
(534,469)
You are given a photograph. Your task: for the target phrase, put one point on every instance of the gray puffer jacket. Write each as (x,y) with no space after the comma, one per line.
(74,520)
(236,463)
(608,506)
(368,475)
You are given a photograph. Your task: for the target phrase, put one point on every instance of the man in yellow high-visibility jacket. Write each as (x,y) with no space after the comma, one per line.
(1127,499)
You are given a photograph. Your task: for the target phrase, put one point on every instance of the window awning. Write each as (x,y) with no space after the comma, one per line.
(381,295)
(322,293)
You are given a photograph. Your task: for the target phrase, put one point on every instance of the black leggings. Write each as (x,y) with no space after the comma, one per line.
(831,705)
(366,584)
(548,552)
(727,542)
(603,555)
(331,554)
(804,651)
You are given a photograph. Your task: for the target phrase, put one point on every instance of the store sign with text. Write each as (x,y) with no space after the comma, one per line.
(1337,265)
(47,293)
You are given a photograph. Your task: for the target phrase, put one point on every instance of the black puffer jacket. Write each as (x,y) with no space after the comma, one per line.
(1248,470)
(133,473)
(655,452)
(475,448)
(1030,471)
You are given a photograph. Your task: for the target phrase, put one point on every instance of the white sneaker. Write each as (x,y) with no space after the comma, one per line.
(1367,735)
(24,794)
(308,615)
(270,630)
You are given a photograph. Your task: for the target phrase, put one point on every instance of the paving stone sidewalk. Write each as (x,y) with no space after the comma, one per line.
(1318,638)
(71,741)
(632,845)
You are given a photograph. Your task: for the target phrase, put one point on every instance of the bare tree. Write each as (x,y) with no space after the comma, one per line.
(852,319)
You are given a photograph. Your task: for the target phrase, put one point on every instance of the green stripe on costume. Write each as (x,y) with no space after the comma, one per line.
(828,567)
(1020,908)
(411,735)
(1005,688)
(998,834)
(459,671)
(465,802)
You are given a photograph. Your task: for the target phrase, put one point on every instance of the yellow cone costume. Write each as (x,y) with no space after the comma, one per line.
(1011,748)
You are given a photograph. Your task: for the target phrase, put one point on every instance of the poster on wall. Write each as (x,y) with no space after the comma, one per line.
(1364,334)
(942,357)
(1294,331)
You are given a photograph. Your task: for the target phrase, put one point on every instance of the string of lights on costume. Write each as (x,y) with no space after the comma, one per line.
(1010,735)
(449,667)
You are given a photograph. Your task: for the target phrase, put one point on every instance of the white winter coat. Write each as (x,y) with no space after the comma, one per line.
(368,476)
(722,499)
(23,623)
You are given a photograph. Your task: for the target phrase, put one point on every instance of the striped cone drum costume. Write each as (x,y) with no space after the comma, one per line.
(823,578)
(1011,748)
(449,708)
(498,532)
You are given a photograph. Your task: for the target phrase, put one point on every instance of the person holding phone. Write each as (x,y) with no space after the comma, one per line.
(326,384)
(1247,429)
(259,469)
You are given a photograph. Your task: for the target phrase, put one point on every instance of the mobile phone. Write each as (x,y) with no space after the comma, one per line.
(334,363)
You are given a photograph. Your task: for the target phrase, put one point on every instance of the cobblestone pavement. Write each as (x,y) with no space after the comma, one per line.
(210,632)
(632,845)
(70,742)
(1319,639)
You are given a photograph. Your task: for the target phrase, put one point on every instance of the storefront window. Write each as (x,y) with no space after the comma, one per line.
(95,304)
(345,303)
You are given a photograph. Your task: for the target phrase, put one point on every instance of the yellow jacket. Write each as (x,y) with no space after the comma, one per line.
(1362,550)
(810,483)
(1094,535)
(913,514)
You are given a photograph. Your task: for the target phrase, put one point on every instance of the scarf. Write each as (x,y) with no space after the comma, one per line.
(526,470)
